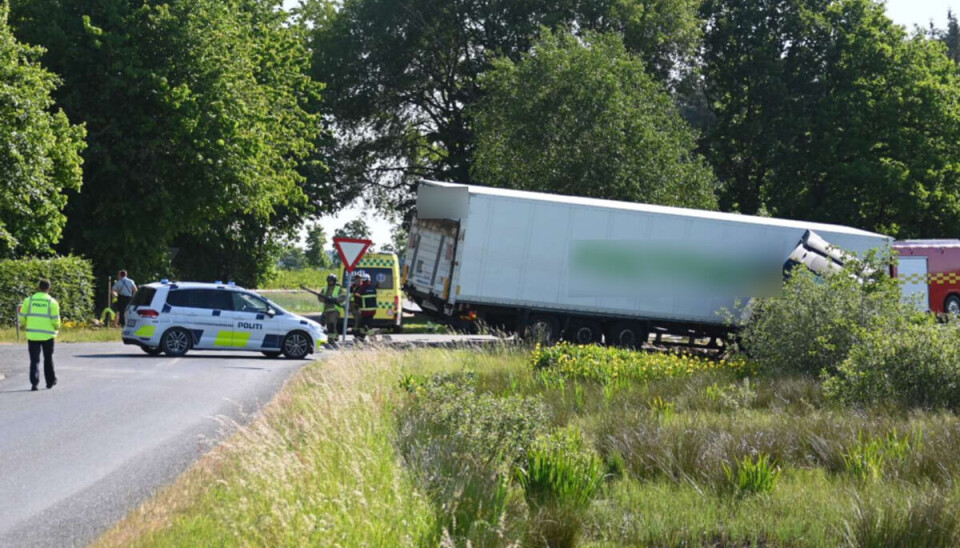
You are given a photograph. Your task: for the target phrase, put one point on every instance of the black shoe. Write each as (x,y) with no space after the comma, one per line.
(33,388)
(51,385)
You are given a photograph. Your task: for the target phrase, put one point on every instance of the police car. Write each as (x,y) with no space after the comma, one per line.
(176,317)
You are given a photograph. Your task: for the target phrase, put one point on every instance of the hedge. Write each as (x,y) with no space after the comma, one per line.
(71,279)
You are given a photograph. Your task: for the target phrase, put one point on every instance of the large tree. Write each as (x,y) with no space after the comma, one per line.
(401,73)
(828,111)
(40,156)
(198,130)
(580,116)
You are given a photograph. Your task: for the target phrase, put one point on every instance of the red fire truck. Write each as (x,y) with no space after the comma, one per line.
(930,269)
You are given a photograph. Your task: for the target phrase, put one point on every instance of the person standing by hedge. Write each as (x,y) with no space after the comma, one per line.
(41,315)
(123,290)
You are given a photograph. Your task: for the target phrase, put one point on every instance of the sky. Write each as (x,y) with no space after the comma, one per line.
(903,12)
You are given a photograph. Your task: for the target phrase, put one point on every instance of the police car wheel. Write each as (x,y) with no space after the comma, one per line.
(296,345)
(272,354)
(152,350)
(175,342)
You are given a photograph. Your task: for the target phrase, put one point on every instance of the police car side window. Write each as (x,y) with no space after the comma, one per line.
(247,303)
(218,299)
(201,298)
(181,298)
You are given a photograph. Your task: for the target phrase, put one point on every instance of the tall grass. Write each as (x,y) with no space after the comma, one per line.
(318,468)
(480,448)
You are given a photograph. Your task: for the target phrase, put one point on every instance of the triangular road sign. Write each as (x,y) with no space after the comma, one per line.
(351,251)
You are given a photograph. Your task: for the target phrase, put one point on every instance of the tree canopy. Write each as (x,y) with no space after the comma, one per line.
(581,116)
(40,157)
(356,228)
(198,130)
(828,111)
(401,74)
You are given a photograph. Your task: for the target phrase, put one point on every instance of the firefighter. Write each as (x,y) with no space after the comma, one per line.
(333,298)
(365,305)
(41,315)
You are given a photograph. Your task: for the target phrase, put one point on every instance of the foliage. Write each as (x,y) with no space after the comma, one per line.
(561,469)
(356,228)
(316,255)
(398,241)
(292,279)
(40,160)
(461,446)
(71,280)
(816,322)
(292,257)
(401,75)
(827,111)
(870,458)
(919,366)
(752,475)
(949,37)
(579,116)
(197,128)
(560,476)
(731,397)
(610,366)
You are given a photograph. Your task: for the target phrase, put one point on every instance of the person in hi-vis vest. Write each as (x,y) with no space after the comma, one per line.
(40,313)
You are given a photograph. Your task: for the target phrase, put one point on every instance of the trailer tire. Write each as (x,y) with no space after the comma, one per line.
(627,335)
(542,328)
(952,305)
(584,331)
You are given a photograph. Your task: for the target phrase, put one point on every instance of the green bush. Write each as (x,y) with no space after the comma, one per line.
(462,445)
(561,469)
(869,459)
(752,476)
(71,279)
(813,325)
(918,367)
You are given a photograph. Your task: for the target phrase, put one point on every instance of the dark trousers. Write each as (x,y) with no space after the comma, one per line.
(34,347)
(122,303)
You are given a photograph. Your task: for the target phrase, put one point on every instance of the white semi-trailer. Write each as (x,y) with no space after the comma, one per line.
(590,270)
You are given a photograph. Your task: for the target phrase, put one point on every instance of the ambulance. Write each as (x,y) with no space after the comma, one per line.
(172,318)
(384,272)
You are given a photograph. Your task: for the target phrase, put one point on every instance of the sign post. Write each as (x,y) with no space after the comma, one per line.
(351,251)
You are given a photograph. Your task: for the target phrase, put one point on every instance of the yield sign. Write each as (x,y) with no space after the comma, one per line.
(351,250)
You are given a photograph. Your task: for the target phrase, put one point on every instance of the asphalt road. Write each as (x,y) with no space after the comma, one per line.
(118,425)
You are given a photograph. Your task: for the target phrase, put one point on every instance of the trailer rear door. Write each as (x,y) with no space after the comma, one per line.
(430,256)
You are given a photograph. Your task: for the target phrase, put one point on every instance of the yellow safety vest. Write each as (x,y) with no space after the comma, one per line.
(41,313)
(335,294)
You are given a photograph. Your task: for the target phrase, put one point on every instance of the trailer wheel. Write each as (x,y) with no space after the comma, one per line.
(542,329)
(952,305)
(627,335)
(584,331)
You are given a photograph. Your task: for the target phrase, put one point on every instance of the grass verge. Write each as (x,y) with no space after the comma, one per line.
(506,447)
(68,335)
